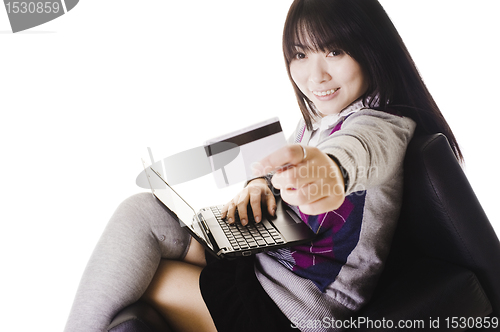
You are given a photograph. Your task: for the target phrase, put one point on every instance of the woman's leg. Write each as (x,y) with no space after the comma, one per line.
(175,293)
(139,234)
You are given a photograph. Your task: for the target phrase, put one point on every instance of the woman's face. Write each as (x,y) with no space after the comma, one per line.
(331,80)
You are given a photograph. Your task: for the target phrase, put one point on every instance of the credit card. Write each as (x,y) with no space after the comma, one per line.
(255,142)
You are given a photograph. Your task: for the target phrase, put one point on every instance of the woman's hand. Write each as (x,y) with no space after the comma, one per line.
(256,193)
(311,179)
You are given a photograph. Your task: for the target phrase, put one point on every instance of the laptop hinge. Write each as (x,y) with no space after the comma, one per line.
(203,222)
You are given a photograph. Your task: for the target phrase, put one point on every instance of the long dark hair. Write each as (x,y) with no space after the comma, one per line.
(362,29)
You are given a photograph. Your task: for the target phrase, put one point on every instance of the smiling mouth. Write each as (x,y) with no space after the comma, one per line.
(325,93)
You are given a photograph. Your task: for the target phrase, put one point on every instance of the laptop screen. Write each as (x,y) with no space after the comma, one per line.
(175,203)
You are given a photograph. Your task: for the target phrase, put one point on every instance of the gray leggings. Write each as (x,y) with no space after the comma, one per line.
(138,235)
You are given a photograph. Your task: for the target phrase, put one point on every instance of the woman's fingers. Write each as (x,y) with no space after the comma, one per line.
(255,203)
(271,203)
(228,212)
(281,159)
(303,173)
(242,205)
(259,199)
(311,192)
(293,177)
(254,195)
(316,184)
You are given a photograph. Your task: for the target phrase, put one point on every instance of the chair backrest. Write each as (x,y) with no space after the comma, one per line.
(442,218)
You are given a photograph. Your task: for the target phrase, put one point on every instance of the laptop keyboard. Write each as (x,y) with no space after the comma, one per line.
(252,235)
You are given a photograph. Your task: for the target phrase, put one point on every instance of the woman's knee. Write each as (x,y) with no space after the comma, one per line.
(141,207)
(137,203)
(145,213)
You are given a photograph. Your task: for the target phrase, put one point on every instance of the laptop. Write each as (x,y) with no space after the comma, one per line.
(222,240)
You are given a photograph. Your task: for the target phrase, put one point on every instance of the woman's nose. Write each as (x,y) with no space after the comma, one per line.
(319,71)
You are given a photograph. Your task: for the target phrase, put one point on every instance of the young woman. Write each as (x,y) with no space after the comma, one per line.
(362,100)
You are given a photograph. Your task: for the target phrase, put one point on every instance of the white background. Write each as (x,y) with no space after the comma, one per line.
(82,97)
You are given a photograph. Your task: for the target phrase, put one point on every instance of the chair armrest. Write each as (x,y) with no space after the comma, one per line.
(426,289)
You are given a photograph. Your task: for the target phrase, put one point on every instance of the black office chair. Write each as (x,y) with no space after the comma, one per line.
(444,265)
(445,257)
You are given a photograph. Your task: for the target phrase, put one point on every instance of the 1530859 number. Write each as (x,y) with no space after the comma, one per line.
(472,322)
(16,7)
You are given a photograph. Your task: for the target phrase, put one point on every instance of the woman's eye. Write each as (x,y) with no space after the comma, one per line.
(335,53)
(300,56)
